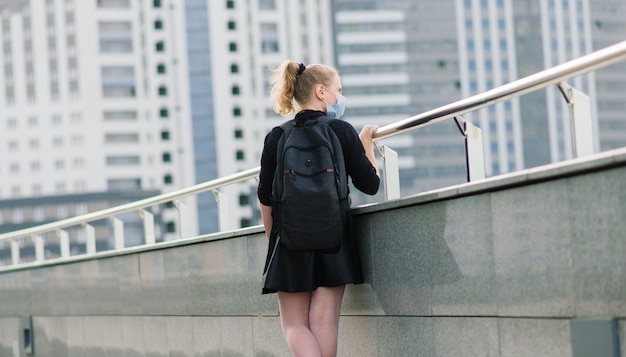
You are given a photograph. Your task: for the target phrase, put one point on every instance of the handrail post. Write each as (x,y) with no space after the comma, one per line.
(64,243)
(15,251)
(39,247)
(90,238)
(222,210)
(148,226)
(581,120)
(391,171)
(118,232)
(183,219)
(474,154)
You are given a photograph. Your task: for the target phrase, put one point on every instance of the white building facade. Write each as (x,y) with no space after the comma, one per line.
(246,39)
(94,98)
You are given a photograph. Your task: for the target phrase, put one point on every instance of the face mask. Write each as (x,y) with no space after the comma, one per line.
(335,111)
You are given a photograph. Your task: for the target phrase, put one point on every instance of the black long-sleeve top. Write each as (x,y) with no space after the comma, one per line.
(358,166)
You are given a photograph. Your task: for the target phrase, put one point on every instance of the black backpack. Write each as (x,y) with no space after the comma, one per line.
(310,187)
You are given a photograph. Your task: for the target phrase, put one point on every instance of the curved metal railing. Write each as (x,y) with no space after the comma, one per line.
(584,64)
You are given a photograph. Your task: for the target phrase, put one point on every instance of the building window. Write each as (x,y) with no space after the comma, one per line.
(238,134)
(79,163)
(78,140)
(165,135)
(232,25)
(123,184)
(162,91)
(80,208)
(57,141)
(114,4)
(236,111)
(32,121)
(240,155)
(168,179)
(160,46)
(62,211)
(167,157)
(234,68)
(232,47)
(59,165)
(158,25)
(164,113)
(245,222)
(115,37)
(161,68)
(118,81)
(269,38)
(267,4)
(35,166)
(235,90)
(18,215)
(38,211)
(121,138)
(170,227)
(121,116)
(132,160)
(54,91)
(76,118)
(156,3)
(230,4)
(244,199)
(80,186)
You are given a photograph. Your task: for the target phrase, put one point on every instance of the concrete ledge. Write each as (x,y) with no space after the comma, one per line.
(499,267)
(598,162)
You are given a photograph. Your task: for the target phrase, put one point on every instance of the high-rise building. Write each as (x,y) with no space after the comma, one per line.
(202,114)
(149,96)
(232,112)
(608,26)
(400,58)
(94,99)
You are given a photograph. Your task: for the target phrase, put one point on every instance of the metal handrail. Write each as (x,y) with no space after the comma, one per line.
(533,82)
(586,63)
(134,206)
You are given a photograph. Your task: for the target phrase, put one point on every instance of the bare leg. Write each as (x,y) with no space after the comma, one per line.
(294,317)
(324,318)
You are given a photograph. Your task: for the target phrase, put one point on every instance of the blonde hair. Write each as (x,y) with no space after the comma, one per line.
(290,89)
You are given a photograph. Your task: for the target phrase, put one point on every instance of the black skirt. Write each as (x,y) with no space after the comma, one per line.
(306,270)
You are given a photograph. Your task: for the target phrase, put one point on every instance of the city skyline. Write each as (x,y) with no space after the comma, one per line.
(159,95)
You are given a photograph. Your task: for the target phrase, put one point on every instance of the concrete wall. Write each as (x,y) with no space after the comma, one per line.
(503,267)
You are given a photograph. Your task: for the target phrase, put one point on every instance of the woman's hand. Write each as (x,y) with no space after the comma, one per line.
(366,137)
(266,216)
(367,133)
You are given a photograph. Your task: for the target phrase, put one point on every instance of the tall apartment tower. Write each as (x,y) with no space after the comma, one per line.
(400,58)
(608,26)
(245,39)
(94,99)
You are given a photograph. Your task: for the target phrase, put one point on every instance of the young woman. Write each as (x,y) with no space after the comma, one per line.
(310,283)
